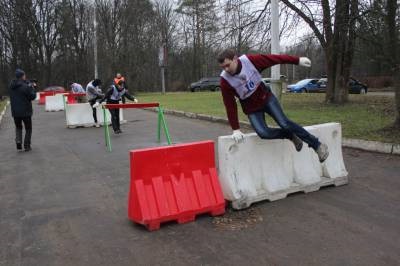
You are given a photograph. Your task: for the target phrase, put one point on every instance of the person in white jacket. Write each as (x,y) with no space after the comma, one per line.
(94,93)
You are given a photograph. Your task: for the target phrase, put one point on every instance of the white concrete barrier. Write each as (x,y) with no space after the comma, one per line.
(80,115)
(54,103)
(260,169)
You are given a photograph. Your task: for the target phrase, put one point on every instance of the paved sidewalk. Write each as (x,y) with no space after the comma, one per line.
(65,203)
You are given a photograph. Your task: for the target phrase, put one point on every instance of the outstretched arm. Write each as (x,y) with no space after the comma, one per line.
(263,61)
(130,97)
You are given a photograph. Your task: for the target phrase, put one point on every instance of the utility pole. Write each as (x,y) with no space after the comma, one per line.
(275,71)
(96,72)
(162,60)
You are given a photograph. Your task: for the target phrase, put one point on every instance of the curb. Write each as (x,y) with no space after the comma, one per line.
(366,145)
(4,111)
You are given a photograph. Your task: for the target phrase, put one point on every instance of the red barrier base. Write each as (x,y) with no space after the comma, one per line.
(174,183)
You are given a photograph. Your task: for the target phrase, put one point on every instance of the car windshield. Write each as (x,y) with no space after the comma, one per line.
(303,82)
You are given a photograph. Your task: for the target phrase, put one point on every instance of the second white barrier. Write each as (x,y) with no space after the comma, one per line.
(259,169)
(81,115)
(54,103)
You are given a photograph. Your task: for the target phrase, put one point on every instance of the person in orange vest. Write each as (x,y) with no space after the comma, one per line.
(118,78)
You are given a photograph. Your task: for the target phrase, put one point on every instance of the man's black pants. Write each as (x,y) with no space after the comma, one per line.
(28,130)
(115,119)
(92,102)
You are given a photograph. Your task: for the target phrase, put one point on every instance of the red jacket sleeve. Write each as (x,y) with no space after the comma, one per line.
(263,61)
(228,96)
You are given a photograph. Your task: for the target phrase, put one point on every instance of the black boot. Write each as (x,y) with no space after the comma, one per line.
(27,147)
(18,138)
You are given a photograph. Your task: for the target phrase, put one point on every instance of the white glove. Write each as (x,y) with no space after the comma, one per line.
(304,61)
(95,105)
(238,136)
(135,100)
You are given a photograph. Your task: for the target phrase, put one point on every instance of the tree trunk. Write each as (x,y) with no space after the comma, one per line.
(393,35)
(397,100)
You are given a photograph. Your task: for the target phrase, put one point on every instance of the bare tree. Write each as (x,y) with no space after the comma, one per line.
(72,58)
(335,30)
(202,21)
(393,36)
(167,21)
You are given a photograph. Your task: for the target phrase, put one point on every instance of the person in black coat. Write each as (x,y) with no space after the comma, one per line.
(22,94)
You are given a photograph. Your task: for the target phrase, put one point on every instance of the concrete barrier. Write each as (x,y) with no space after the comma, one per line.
(80,115)
(54,103)
(260,169)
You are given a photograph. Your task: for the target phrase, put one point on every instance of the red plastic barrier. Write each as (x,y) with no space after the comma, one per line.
(174,183)
(131,105)
(71,97)
(42,96)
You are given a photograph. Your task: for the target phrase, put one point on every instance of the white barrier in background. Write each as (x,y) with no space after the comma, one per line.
(259,169)
(54,103)
(37,96)
(80,114)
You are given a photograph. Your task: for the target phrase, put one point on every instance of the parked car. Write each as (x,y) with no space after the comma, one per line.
(208,83)
(354,85)
(267,82)
(55,89)
(323,83)
(305,85)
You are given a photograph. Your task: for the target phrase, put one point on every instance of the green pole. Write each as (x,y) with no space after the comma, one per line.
(65,109)
(106,130)
(165,127)
(159,125)
(65,103)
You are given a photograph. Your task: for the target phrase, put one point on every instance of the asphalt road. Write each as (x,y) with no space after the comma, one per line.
(65,203)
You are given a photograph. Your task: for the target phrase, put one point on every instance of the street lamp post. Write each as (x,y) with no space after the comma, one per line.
(96,73)
(275,71)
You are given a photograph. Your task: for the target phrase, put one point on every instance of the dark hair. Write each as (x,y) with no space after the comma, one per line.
(96,82)
(121,82)
(226,54)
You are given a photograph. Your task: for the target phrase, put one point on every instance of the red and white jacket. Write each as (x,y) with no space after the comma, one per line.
(257,99)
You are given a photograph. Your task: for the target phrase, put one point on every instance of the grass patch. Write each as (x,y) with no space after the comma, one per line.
(363,117)
(2,105)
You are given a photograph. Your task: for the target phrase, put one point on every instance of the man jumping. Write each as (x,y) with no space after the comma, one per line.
(241,78)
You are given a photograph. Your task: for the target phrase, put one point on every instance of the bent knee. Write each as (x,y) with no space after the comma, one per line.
(286,125)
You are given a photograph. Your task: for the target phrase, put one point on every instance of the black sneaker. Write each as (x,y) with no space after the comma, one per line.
(19,146)
(27,147)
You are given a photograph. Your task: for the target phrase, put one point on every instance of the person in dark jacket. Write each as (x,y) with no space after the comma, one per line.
(22,94)
(114,95)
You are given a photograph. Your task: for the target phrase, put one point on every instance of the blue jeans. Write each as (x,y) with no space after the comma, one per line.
(288,128)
